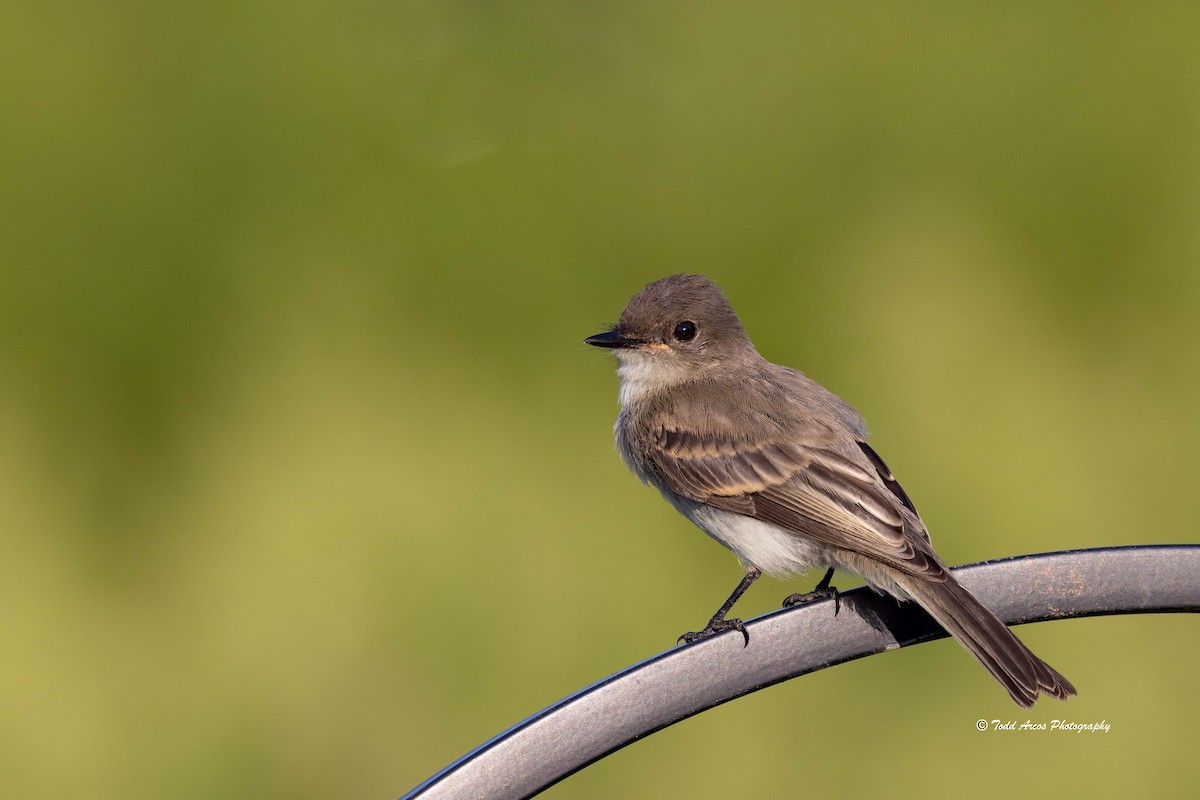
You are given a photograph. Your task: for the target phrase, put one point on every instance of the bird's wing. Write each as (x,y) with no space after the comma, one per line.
(801,483)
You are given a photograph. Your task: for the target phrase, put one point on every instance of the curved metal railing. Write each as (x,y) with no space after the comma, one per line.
(662,690)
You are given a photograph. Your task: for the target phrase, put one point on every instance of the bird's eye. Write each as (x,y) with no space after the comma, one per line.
(685,331)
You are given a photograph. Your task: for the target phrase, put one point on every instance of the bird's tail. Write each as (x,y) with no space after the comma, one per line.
(981,632)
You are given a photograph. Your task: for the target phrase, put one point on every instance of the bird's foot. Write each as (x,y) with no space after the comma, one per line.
(819,593)
(714,627)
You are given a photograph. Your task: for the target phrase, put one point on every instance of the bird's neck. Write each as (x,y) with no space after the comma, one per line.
(643,378)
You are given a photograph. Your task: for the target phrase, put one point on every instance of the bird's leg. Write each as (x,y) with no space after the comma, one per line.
(823,591)
(718,623)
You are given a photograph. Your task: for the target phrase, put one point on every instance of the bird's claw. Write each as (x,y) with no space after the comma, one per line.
(714,627)
(820,593)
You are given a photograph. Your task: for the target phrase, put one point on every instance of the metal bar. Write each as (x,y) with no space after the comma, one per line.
(674,685)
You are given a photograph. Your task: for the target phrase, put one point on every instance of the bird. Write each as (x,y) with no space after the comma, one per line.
(778,469)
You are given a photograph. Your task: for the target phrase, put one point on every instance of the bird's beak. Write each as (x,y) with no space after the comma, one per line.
(611,338)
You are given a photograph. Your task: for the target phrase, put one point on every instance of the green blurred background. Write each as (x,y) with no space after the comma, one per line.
(307,478)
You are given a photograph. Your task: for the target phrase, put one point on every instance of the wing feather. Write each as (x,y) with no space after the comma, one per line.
(841,498)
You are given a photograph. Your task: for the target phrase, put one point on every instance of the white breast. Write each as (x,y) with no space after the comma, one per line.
(772,549)
(780,552)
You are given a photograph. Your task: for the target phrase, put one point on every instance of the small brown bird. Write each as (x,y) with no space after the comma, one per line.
(777,468)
